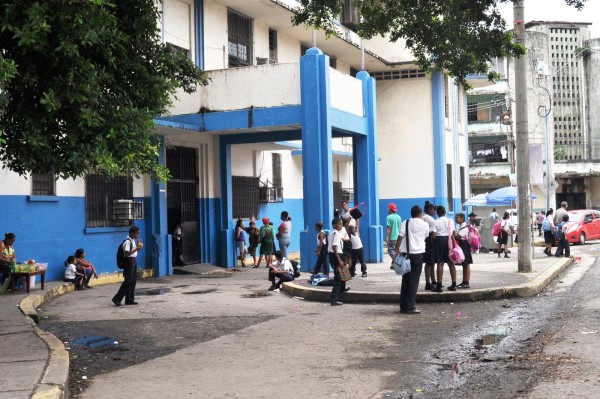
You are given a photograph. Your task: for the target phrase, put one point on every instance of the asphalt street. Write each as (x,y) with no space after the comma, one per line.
(227,337)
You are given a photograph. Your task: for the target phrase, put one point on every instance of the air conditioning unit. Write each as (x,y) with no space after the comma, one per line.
(122,209)
(262,61)
(350,17)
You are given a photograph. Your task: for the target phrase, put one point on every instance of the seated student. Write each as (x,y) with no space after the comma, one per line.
(86,267)
(72,275)
(281,268)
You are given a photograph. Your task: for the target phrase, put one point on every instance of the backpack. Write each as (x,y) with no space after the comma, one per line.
(121,255)
(296,268)
(558,231)
(496,229)
(546,226)
(473,238)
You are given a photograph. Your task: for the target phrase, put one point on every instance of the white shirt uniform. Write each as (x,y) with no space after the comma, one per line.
(418,230)
(356,241)
(285,266)
(463,230)
(70,272)
(335,239)
(130,245)
(443,226)
(430,221)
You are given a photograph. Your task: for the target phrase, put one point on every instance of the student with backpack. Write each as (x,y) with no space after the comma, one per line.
(503,234)
(548,229)
(561,236)
(128,251)
(321,251)
(462,236)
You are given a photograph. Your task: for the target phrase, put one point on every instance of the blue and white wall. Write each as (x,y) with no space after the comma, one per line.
(49,228)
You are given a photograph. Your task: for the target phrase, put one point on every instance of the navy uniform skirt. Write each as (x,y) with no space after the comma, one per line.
(439,253)
(466,248)
(428,251)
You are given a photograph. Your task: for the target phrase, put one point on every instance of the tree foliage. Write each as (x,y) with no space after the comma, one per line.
(460,36)
(80,83)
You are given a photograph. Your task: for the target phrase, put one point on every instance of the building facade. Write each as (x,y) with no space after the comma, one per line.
(282,125)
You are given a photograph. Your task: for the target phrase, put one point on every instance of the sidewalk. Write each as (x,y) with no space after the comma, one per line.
(491,278)
(37,363)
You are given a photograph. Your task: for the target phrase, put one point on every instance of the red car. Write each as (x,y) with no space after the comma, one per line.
(584,225)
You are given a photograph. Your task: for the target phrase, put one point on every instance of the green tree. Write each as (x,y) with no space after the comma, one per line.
(80,83)
(460,36)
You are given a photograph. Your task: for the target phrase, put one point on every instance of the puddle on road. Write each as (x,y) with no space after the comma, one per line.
(153,291)
(94,341)
(257,294)
(199,292)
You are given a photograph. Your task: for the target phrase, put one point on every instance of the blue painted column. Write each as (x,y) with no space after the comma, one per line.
(199,28)
(161,246)
(439,142)
(226,248)
(317,165)
(366,183)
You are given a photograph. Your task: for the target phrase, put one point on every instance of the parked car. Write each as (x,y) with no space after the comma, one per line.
(584,224)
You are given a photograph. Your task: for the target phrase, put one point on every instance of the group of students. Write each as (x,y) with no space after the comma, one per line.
(555,228)
(263,239)
(79,270)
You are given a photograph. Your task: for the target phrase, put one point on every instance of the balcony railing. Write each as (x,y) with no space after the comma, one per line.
(489,152)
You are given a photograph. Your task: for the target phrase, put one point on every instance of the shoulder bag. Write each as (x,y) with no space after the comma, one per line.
(401,262)
(456,254)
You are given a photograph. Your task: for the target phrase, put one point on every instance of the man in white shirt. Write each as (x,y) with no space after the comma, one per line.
(494,216)
(281,268)
(417,232)
(130,250)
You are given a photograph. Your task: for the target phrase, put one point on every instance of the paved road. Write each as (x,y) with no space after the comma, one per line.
(220,337)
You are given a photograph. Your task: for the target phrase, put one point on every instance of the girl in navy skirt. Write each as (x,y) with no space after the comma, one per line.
(430,282)
(442,230)
(461,235)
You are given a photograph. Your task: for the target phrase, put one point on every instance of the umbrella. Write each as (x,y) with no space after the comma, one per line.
(481,200)
(505,194)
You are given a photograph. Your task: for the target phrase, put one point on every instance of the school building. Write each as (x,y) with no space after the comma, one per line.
(282,125)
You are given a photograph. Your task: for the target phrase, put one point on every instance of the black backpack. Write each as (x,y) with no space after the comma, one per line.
(296,268)
(121,256)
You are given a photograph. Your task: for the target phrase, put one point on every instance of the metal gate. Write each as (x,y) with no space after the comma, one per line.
(182,204)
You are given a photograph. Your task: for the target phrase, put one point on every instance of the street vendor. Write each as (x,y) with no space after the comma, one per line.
(7,255)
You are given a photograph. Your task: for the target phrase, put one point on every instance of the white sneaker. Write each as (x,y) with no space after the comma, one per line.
(276,290)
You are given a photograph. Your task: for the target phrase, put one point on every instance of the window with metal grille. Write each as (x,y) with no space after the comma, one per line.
(42,184)
(239,32)
(245,195)
(449,185)
(272,46)
(276,165)
(109,202)
(403,74)
(463,186)
(472,112)
(446,97)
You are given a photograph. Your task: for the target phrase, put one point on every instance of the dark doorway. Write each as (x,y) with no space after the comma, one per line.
(575,200)
(182,204)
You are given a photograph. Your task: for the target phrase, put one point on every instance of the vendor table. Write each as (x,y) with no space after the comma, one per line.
(15,276)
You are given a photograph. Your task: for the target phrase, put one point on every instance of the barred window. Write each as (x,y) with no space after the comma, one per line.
(239,32)
(272,46)
(43,184)
(109,201)
(245,196)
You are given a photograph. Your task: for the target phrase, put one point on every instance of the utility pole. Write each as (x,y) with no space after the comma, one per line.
(522,132)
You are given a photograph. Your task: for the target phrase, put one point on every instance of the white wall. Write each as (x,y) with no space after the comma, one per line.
(275,85)
(346,93)
(405,139)
(215,38)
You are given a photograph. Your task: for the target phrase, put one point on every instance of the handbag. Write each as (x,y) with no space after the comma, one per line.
(356,213)
(401,262)
(456,254)
(344,272)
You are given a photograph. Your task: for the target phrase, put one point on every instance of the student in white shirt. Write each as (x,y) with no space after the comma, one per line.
(417,232)
(462,235)
(443,228)
(336,260)
(357,252)
(71,273)
(130,250)
(430,282)
(504,234)
(281,268)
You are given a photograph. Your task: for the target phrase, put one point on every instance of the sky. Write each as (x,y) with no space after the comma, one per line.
(557,10)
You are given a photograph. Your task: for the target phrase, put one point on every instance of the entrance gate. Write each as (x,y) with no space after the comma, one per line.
(182,204)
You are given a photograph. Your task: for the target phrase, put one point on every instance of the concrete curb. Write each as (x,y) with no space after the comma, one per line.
(55,379)
(533,287)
